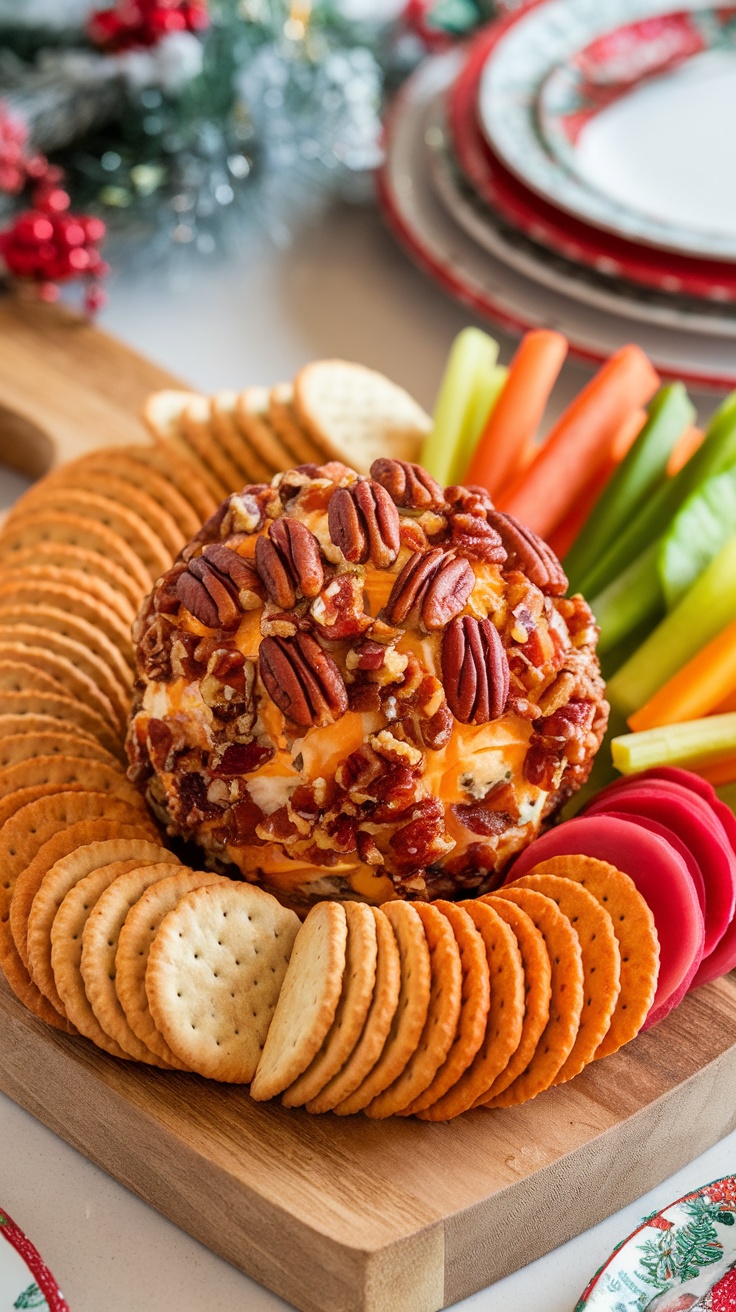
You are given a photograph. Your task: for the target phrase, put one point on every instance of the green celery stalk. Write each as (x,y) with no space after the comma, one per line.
(706,609)
(716,453)
(670,411)
(612,660)
(694,742)
(634,599)
(472,354)
(489,386)
(700,528)
(727,794)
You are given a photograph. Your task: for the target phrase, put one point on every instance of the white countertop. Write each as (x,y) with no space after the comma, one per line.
(341,289)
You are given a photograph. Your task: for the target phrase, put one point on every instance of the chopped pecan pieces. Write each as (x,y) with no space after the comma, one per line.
(475,670)
(408,485)
(364,523)
(528,552)
(302,680)
(288,562)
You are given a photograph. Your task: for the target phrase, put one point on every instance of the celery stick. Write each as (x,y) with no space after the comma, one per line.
(488,388)
(612,660)
(700,528)
(717,453)
(706,609)
(632,600)
(695,742)
(727,794)
(670,411)
(472,353)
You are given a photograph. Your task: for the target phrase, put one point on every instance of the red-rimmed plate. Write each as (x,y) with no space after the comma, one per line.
(492,289)
(25,1280)
(551,227)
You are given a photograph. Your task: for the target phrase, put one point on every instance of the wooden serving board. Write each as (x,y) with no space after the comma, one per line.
(341,1214)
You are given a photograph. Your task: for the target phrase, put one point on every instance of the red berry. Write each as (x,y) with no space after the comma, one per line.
(48,291)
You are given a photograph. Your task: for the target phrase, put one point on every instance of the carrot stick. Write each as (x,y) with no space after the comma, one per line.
(684,448)
(697,688)
(567,532)
(580,440)
(718,772)
(728,704)
(518,412)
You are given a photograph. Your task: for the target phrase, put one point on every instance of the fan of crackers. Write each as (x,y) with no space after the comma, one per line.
(407,1009)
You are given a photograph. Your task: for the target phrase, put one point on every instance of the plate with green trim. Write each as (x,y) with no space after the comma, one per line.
(25,1280)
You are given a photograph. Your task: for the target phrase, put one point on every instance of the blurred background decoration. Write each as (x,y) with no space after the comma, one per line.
(165,126)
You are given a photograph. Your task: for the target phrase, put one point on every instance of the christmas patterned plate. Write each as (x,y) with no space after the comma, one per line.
(682,1259)
(25,1281)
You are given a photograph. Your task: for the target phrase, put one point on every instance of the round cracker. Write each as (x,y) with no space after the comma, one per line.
(443,1015)
(187,475)
(251,416)
(123,465)
(358,983)
(108,484)
(53,527)
(67,558)
(505,1016)
(100,940)
(139,929)
(74,601)
(30,726)
(57,867)
(633,925)
(355,414)
(18,747)
(25,990)
(411,1013)
(15,677)
(307,1003)
(215,971)
(91,584)
(601,963)
(67,943)
(102,510)
(566,1000)
(474,1005)
(285,421)
(66,709)
(115,683)
(72,680)
(537,984)
(200,433)
(254,468)
(19,618)
(373,1036)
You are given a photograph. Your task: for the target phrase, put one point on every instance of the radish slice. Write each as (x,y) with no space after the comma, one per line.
(659,873)
(672,774)
(723,957)
(693,820)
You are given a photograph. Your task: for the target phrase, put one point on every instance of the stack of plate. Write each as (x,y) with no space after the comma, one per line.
(572,167)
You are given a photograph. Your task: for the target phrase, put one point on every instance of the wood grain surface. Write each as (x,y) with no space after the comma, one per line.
(340,1214)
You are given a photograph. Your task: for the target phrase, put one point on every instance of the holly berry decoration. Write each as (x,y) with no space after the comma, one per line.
(136,23)
(48,246)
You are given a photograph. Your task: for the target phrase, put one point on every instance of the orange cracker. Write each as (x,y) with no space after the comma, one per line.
(105,667)
(475,1002)
(67,943)
(355,999)
(21,618)
(108,484)
(29,725)
(184,470)
(18,747)
(37,528)
(384,1002)
(139,929)
(566,1000)
(505,1015)
(307,1002)
(68,559)
(441,1024)
(65,859)
(100,939)
(96,467)
(64,708)
(411,1012)
(601,963)
(103,510)
(62,677)
(537,984)
(633,925)
(94,586)
(41,592)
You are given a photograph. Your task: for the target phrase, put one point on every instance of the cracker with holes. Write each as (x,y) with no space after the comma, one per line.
(39,530)
(411,1013)
(15,748)
(62,708)
(66,678)
(633,925)
(566,997)
(538,989)
(134,944)
(381,1012)
(66,557)
(308,1001)
(441,1024)
(215,971)
(474,1004)
(601,963)
(358,985)
(505,1015)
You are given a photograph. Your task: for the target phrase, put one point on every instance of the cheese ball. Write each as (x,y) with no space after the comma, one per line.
(363,687)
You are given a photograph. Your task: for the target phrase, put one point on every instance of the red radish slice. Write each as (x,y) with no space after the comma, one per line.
(669,774)
(657,1014)
(723,957)
(659,873)
(693,820)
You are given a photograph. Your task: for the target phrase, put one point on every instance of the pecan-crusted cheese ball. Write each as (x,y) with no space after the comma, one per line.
(363,687)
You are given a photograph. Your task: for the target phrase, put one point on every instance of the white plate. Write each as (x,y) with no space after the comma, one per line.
(579,282)
(619,185)
(25,1281)
(493,290)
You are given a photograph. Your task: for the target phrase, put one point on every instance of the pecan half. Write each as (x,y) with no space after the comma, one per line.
(302,680)
(364,523)
(530,553)
(194,595)
(411,583)
(448,592)
(407,484)
(288,562)
(472,535)
(475,670)
(234,571)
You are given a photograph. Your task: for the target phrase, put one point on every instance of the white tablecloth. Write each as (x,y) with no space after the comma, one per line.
(342,289)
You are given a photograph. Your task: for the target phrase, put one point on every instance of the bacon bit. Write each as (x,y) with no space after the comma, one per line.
(368,850)
(423,840)
(480,819)
(243,758)
(278,827)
